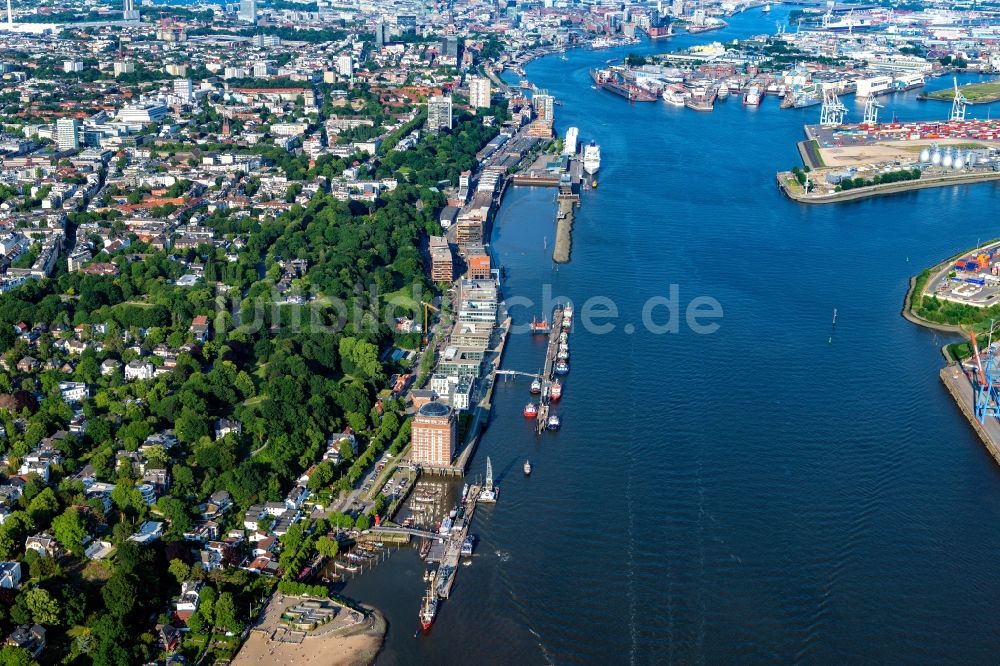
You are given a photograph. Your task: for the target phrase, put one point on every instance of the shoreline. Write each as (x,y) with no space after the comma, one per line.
(350,645)
(881,190)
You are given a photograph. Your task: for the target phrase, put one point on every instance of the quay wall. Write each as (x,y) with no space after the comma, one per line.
(880,190)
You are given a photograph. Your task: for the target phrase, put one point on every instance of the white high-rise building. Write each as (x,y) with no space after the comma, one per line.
(129,12)
(480,92)
(345,65)
(439,113)
(248,11)
(183,89)
(66,134)
(70,66)
(569,145)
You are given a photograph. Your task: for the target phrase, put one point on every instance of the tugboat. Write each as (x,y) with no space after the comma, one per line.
(563,354)
(539,327)
(556,391)
(553,423)
(527,468)
(428,609)
(562,367)
(530,410)
(536,387)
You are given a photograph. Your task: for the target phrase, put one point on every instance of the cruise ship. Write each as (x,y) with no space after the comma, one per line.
(592,158)
(752,96)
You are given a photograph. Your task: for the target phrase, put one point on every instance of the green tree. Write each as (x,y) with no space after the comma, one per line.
(327,547)
(43,608)
(16,656)
(179,570)
(225,612)
(69,530)
(43,507)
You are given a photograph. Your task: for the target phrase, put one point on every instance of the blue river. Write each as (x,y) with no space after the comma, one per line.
(778,490)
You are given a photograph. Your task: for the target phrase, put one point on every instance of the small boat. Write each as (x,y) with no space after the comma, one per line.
(468,545)
(527,468)
(428,609)
(556,391)
(564,337)
(563,355)
(767,8)
(593,184)
(539,327)
(465,491)
(554,423)
(562,367)
(568,312)
(536,387)
(566,323)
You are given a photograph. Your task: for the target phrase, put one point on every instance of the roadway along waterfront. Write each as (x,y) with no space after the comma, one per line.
(757,495)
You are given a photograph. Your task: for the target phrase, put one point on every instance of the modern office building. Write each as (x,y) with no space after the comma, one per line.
(183,89)
(129,12)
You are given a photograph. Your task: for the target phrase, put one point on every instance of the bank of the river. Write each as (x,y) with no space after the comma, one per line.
(791,188)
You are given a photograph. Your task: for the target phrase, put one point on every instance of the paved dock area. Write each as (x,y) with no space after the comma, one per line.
(960,387)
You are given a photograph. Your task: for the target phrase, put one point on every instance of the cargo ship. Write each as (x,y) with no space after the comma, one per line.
(613,82)
(428,609)
(674,95)
(908,82)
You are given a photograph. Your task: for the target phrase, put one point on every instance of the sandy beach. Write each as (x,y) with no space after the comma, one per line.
(343,642)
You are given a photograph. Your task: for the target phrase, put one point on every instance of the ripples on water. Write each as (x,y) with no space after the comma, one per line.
(776,492)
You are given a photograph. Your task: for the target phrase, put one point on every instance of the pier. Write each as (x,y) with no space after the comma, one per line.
(483,405)
(564,231)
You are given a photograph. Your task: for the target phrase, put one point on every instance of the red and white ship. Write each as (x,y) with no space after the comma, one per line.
(539,327)
(428,609)
(556,390)
(531,410)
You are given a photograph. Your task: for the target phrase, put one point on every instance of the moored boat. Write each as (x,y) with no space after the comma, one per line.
(562,367)
(536,387)
(539,327)
(556,391)
(428,610)
(554,423)
(531,410)
(468,545)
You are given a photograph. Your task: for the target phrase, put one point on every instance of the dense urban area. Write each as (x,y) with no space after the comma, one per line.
(246,291)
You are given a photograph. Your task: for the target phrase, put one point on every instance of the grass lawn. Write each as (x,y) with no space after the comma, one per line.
(974,92)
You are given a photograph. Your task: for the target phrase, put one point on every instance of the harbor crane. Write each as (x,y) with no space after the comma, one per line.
(986,384)
(871,111)
(958,104)
(833,110)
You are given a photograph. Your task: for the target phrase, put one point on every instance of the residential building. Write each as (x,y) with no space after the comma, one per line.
(439,113)
(345,65)
(129,12)
(10,575)
(433,435)
(479,92)
(199,328)
(29,637)
(183,89)
(442,264)
(138,370)
(248,11)
(73,392)
(67,134)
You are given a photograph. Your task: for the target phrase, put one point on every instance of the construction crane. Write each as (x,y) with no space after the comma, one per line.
(426,325)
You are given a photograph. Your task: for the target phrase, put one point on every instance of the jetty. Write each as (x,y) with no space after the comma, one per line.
(564,232)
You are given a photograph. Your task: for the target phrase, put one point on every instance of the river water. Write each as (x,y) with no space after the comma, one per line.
(777,491)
